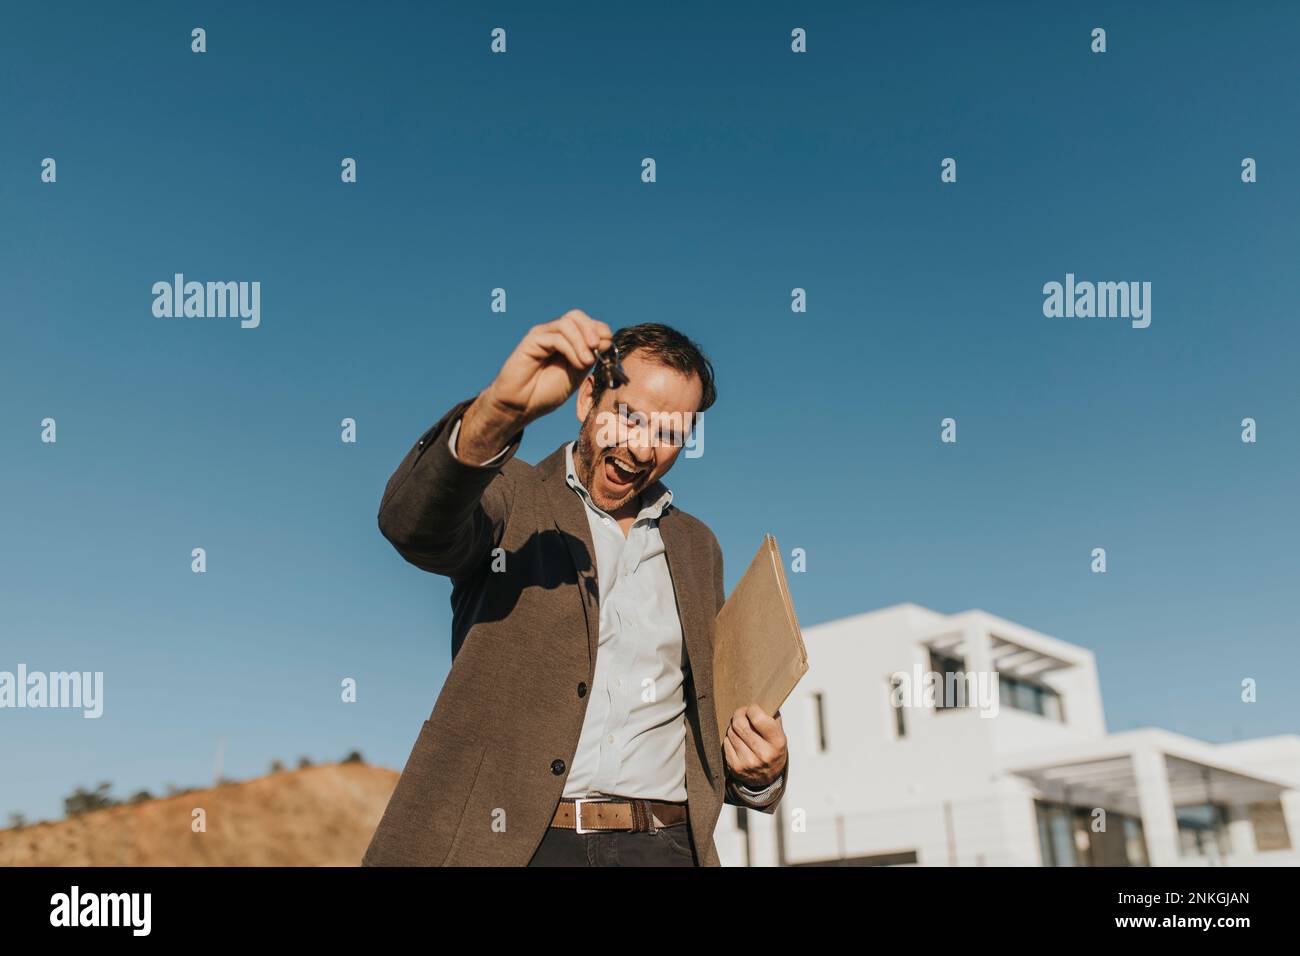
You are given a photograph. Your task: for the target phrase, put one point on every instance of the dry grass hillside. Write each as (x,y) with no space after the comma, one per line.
(316,816)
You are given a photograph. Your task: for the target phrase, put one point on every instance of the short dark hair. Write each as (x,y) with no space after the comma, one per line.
(670,348)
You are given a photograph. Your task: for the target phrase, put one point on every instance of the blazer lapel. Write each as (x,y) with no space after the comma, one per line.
(695,612)
(570,516)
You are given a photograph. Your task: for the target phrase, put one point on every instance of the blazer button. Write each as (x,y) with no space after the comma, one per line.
(557,767)
(582,688)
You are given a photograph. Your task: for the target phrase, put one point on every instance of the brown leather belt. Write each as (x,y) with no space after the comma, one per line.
(592,814)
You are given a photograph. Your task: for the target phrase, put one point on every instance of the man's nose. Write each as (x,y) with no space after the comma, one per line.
(640,447)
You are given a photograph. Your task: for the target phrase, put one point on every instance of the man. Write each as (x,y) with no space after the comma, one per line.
(576,726)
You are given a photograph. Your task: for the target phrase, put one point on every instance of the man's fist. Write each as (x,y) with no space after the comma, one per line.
(543,370)
(755,747)
(547,365)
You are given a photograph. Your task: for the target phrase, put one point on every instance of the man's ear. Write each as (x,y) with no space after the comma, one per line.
(585,399)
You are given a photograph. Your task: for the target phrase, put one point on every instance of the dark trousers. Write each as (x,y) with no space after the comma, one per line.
(667,846)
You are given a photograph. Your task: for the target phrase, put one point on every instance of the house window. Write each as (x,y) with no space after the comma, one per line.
(1203,831)
(900,721)
(950,692)
(819,714)
(1067,837)
(1028,696)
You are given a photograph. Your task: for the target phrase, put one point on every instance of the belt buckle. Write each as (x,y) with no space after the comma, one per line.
(577,813)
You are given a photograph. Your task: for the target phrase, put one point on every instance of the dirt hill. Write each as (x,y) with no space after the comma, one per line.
(317,816)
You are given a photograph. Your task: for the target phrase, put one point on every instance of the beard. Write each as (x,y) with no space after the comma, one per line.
(588,460)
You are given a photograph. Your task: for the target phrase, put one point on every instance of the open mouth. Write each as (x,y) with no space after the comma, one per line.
(620,474)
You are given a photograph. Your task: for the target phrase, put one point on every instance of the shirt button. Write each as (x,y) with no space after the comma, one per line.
(582,688)
(610,738)
(557,767)
(604,521)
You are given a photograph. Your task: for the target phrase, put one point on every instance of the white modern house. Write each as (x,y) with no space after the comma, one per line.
(1001,758)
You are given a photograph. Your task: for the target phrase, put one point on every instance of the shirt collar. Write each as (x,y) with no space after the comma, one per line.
(658,494)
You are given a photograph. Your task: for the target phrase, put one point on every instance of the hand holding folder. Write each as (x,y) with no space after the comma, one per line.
(758,652)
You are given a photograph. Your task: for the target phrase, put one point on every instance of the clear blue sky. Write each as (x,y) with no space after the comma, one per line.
(522,171)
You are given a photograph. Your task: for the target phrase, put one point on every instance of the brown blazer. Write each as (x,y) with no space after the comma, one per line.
(488,768)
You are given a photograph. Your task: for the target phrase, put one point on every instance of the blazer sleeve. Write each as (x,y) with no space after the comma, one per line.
(442,514)
(733,793)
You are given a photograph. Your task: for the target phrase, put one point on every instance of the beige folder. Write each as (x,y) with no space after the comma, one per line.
(758,652)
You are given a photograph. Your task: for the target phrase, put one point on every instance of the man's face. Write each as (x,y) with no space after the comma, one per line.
(631,439)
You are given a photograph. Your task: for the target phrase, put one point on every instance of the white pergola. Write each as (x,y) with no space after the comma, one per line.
(1006,657)
(1147,774)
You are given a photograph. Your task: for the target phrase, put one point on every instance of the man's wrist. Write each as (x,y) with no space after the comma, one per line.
(760,788)
(768,786)
(485,429)
(451,444)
